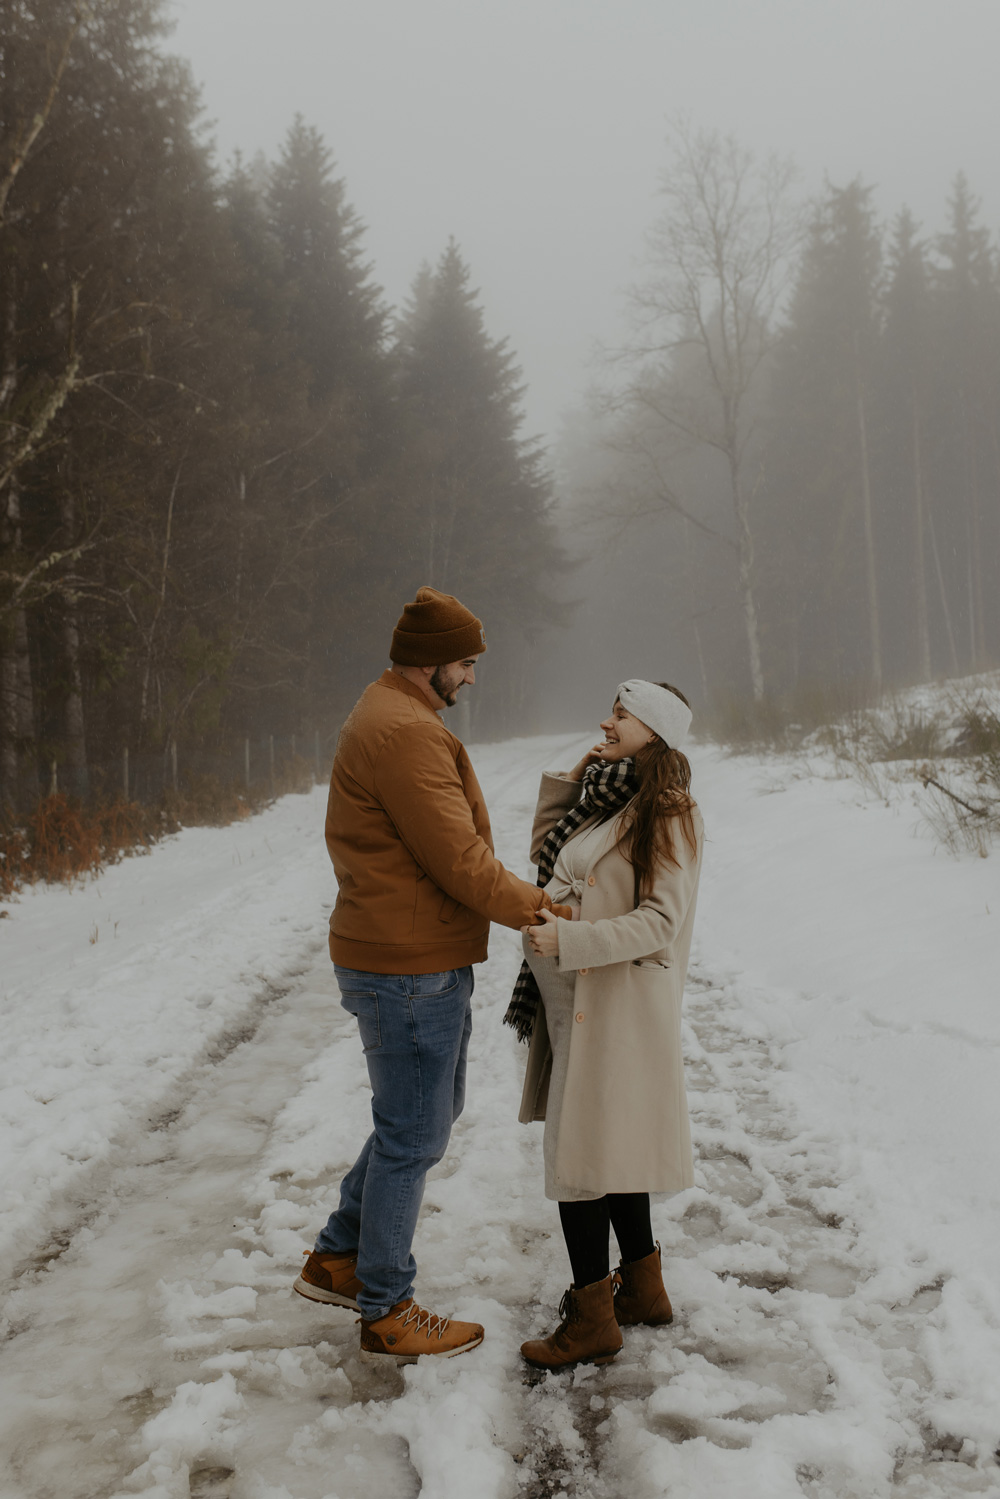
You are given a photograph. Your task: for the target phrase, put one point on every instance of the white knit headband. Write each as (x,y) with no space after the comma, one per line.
(656,707)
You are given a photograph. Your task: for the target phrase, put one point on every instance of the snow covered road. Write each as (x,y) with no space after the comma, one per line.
(834,1271)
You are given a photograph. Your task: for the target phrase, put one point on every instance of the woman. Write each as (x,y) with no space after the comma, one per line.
(619,839)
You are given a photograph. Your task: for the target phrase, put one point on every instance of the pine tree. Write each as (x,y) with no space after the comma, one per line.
(337,323)
(966,394)
(336,316)
(913,626)
(821,543)
(105,207)
(475,498)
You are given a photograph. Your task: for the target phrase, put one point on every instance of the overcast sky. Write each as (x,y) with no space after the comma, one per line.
(534,130)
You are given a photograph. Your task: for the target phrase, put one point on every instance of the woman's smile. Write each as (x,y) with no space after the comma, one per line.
(624,734)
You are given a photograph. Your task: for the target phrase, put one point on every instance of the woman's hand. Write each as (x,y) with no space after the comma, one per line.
(544,939)
(590,758)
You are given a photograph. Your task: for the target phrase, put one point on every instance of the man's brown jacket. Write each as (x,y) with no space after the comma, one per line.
(409,837)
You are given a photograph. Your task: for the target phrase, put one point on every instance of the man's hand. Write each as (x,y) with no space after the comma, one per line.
(544,938)
(568,913)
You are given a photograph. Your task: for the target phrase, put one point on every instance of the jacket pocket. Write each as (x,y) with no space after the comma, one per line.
(649,963)
(447,908)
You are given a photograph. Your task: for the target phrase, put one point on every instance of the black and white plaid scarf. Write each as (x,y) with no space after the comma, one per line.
(605,788)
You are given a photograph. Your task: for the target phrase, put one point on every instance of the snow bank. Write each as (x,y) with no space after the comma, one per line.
(873,960)
(834,1270)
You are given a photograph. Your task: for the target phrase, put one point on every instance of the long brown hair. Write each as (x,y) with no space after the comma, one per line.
(662,807)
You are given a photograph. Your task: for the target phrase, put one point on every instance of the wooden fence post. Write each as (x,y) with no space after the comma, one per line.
(173,762)
(246,759)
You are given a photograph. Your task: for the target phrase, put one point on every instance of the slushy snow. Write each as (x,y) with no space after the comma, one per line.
(180,1093)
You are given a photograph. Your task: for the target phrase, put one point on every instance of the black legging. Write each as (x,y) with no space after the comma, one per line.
(585,1228)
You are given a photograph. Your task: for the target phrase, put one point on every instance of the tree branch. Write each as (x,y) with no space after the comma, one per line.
(29,132)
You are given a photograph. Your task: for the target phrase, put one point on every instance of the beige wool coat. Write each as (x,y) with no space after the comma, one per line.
(624,1123)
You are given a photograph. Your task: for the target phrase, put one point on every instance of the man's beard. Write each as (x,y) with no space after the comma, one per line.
(445,693)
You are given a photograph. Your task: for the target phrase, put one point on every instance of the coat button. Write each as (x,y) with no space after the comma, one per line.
(584,970)
(592,880)
(580,1016)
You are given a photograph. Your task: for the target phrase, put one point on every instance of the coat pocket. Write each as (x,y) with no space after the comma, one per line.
(448,908)
(650,963)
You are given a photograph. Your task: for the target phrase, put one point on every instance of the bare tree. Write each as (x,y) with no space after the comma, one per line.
(18,443)
(705,324)
(17,148)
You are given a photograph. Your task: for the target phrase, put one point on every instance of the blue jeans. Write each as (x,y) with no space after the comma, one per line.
(415,1031)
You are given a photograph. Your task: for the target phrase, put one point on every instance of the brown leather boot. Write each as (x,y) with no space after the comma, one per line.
(407,1332)
(331,1278)
(639,1293)
(587,1334)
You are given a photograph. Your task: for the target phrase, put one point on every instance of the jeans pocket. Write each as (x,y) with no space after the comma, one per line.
(434,985)
(363,1005)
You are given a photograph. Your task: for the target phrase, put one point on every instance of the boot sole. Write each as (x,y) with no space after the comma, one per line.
(369,1356)
(600,1359)
(328,1298)
(649,1322)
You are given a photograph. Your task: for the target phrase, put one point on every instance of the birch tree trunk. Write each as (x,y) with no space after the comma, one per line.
(8,503)
(949,626)
(746,565)
(78,778)
(977,625)
(9,788)
(693,613)
(871,574)
(920,563)
(18,770)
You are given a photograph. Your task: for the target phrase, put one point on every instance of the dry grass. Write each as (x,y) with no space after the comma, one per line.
(959,824)
(66,839)
(945,738)
(782,724)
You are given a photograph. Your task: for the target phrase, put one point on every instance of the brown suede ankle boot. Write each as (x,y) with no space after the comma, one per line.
(587,1334)
(640,1296)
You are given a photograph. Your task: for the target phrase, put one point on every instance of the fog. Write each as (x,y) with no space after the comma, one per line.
(396,293)
(533,130)
(537,135)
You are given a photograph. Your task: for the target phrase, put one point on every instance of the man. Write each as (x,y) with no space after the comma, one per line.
(409,837)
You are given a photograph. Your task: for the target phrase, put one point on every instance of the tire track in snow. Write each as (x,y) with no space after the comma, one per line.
(155,1339)
(143,1329)
(163,1351)
(101,1034)
(790,1367)
(72,1211)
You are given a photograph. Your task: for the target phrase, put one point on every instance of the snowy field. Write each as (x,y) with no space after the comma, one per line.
(180,1093)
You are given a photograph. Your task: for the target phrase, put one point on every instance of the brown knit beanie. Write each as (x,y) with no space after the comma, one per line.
(435,630)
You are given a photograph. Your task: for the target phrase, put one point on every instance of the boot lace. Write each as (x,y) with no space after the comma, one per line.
(423,1320)
(569,1310)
